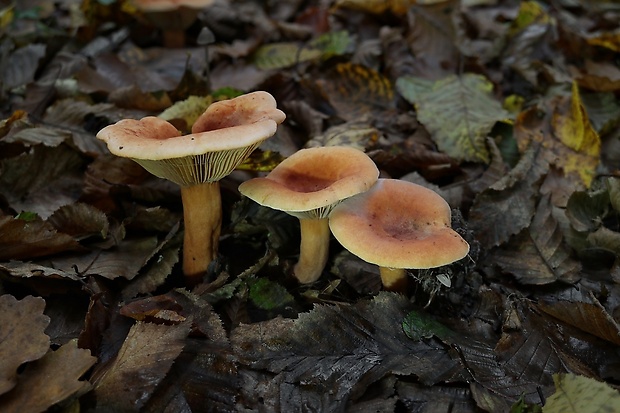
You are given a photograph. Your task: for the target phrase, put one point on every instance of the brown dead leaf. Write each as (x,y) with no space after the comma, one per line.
(21,239)
(538,254)
(356,91)
(141,364)
(22,337)
(588,317)
(50,380)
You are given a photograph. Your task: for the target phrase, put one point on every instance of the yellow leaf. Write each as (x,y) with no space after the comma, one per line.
(608,40)
(261,161)
(356,91)
(562,128)
(530,12)
(572,127)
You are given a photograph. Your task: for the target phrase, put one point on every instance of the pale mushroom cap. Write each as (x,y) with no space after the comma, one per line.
(166,5)
(311,181)
(398,224)
(224,135)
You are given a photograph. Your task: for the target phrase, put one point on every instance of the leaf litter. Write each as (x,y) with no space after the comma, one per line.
(508,110)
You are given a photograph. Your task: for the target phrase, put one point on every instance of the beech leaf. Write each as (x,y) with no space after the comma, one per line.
(332,354)
(539,255)
(22,337)
(21,239)
(141,364)
(458,111)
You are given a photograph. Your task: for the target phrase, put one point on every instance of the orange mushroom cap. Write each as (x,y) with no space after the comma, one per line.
(223,136)
(309,183)
(398,224)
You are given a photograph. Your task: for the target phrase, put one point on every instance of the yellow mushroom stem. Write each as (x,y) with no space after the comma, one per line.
(394,279)
(202,216)
(313,250)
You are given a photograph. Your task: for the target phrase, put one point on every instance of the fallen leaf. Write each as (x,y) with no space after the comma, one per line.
(579,394)
(458,111)
(56,377)
(565,134)
(357,92)
(22,336)
(538,254)
(20,239)
(143,361)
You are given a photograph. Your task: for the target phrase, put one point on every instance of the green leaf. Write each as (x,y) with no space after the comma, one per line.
(458,111)
(189,109)
(268,295)
(418,325)
(286,54)
(579,394)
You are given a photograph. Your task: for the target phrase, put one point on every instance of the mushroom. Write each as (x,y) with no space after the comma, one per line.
(307,185)
(398,225)
(173,17)
(222,137)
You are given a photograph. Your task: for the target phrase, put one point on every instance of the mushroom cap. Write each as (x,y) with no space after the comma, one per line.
(167,5)
(223,136)
(309,183)
(398,224)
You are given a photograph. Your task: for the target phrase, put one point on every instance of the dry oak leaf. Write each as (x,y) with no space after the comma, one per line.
(565,133)
(49,380)
(22,337)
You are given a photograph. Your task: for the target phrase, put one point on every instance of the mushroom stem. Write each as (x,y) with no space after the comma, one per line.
(313,250)
(202,216)
(394,279)
(173,38)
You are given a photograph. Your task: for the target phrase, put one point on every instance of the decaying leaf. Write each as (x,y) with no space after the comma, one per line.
(588,317)
(458,111)
(538,255)
(281,55)
(21,239)
(56,376)
(42,179)
(579,394)
(565,134)
(141,364)
(332,354)
(80,221)
(357,92)
(22,336)
(507,206)
(355,134)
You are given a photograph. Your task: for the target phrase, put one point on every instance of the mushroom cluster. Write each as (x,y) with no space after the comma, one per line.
(222,137)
